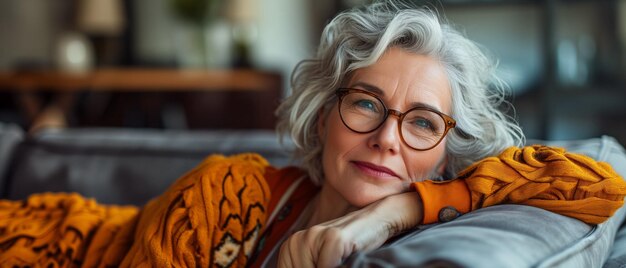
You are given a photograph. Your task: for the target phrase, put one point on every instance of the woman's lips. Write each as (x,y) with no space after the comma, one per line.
(374,170)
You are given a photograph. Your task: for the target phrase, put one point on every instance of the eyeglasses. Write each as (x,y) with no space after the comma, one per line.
(420,128)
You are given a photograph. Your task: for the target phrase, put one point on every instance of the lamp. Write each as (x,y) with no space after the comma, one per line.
(243,14)
(103,21)
(101,17)
(243,11)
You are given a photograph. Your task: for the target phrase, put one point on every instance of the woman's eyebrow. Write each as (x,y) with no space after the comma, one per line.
(424,105)
(379,92)
(371,88)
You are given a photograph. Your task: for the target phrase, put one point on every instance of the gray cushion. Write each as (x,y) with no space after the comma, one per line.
(511,235)
(118,166)
(617,259)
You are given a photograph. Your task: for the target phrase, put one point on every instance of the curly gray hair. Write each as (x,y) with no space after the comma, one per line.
(357,38)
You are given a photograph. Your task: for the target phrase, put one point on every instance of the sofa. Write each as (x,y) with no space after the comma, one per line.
(131,166)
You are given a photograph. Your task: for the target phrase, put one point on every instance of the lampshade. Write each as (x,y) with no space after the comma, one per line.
(102,17)
(242,11)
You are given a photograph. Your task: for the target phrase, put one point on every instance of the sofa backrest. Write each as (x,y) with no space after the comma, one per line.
(10,137)
(122,166)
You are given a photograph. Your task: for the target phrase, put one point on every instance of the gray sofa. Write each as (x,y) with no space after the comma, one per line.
(121,166)
(116,166)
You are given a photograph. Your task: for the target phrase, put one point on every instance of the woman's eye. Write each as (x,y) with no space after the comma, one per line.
(367,104)
(423,123)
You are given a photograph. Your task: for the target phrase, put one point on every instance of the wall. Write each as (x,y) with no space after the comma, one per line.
(27,30)
(283,34)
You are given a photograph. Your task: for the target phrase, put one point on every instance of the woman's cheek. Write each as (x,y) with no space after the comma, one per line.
(431,165)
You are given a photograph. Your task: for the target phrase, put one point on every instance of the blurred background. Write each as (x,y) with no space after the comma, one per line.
(214,64)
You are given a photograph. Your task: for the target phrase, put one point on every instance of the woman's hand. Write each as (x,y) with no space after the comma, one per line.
(329,243)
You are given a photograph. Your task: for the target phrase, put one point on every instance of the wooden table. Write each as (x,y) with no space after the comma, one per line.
(65,86)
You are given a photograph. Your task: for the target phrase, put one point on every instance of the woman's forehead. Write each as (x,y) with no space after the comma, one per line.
(405,78)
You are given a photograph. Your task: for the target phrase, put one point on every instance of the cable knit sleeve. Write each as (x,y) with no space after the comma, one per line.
(550,178)
(212,216)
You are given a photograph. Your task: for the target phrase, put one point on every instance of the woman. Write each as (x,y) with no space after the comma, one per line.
(393,101)
(392,97)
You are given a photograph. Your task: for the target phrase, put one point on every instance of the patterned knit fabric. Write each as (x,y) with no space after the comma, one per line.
(212,216)
(546,177)
(63,230)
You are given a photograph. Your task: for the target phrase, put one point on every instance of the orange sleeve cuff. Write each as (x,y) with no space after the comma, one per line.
(438,195)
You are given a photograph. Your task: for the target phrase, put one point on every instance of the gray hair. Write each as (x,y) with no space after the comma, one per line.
(357,38)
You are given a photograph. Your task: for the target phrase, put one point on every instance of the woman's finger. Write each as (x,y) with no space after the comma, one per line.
(330,254)
(296,252)
(284,257)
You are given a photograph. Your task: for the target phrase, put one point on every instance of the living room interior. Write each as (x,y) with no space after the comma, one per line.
(564,61)
(116,99)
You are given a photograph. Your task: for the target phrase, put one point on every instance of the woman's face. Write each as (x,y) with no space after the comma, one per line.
(364,168)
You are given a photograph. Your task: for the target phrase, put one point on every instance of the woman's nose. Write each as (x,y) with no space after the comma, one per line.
(386,138)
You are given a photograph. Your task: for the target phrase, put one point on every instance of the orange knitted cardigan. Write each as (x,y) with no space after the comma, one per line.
(214,215)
